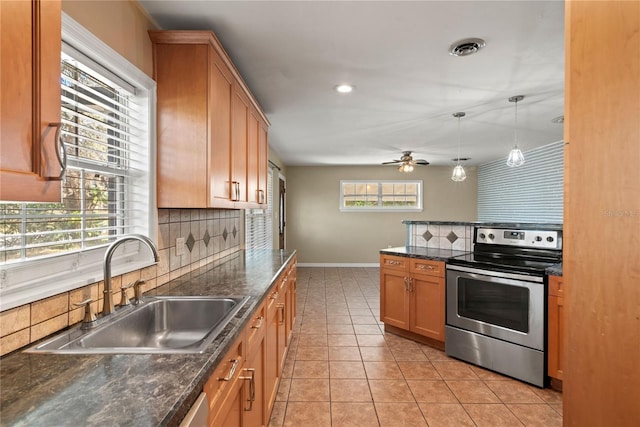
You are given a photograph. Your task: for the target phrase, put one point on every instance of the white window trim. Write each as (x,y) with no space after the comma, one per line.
(418,208)
(18,283)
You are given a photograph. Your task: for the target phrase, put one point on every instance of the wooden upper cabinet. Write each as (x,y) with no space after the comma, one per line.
(263,159)
(206,124)
(239,130)
(30,38)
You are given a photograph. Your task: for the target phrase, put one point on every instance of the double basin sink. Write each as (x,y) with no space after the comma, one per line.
(162,324)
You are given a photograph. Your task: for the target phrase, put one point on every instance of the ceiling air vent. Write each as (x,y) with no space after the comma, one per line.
(466,47)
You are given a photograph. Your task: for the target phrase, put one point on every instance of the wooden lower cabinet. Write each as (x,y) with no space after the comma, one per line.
(242,390)
(555,355)
(412,295)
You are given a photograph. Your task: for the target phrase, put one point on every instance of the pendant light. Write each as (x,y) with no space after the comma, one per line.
(458,172)
(515,158)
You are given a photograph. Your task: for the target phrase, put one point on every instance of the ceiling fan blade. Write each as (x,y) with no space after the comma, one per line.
(421,162)
(392,162)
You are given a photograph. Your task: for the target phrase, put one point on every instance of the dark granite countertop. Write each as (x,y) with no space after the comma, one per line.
(422,252)
(518,225)
(135,389)
(554,270)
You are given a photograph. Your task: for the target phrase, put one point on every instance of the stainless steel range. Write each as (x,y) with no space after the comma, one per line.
(496,301)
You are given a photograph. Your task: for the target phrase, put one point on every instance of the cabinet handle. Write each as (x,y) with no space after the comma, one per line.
(392,262)
(61,154)
(252,387)
(406,284)
(281,306)
(236,191)
(425,267)
(410,280)
(274,295)
(232,371)
(260,321)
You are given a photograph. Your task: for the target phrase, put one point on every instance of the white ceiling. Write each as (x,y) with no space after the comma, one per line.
(293,53)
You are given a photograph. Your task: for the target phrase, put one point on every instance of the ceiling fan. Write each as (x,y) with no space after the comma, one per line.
(406,162)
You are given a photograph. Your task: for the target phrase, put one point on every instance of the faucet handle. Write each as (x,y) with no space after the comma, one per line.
(124,299)
(137,288)
(89,315)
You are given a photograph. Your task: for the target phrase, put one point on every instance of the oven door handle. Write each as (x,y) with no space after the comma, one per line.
(501,274)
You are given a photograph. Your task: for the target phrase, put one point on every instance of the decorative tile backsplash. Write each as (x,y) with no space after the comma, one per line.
(209,236)
(442,235)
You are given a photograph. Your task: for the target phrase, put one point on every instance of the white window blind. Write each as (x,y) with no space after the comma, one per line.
(107,120)
(533,192)
(259,222)
(99,129)
(363,195)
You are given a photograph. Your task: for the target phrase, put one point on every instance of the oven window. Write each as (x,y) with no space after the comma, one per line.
(494,303)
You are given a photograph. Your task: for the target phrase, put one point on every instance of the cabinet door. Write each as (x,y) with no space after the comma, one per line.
(30,34)
(427,306)
(220,89)
(555,356)
(272,368)
(231,413)
(253,195)
(254,387)
(263,159)
(394,298)
(239,120)
(182,74)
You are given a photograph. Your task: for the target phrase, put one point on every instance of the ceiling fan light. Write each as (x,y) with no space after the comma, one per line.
(515,158)
(458,174)
(405,167)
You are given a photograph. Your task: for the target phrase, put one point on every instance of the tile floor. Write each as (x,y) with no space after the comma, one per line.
(343,370)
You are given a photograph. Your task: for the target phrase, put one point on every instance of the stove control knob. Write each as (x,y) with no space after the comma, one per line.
(482,236)
(538,239)
(491,236)
(549,239)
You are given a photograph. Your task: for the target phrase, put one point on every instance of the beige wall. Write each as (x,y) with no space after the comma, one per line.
(122,24)
(323,234)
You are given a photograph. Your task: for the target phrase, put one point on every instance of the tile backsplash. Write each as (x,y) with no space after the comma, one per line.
(209,236)
(442,235)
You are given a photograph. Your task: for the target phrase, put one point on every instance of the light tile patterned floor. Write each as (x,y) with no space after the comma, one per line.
(343,370)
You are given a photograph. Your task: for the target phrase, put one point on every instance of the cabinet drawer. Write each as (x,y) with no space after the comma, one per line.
(224,377)
(427,266)
(256,329)
(394,262)
(556,286)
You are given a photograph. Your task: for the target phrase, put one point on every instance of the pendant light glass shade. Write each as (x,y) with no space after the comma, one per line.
(515,158)
(458,172)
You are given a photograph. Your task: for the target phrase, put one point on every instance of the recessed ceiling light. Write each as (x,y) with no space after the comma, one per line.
(466,47)
(344,88)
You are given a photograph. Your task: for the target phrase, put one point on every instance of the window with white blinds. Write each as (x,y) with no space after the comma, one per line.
(99,127)
(259,222)
(533,192)
(107,123)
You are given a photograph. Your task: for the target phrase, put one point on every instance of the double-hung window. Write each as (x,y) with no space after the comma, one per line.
(107,108)
(380,196)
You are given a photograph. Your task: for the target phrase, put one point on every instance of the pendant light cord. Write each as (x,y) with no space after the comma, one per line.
(515,126)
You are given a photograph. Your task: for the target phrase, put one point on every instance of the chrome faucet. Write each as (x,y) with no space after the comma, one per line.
(108,292)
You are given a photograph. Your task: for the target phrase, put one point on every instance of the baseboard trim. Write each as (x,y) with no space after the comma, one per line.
(338,264)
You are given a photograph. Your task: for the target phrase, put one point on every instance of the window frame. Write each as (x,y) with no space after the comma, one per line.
(381,208)
(32,280)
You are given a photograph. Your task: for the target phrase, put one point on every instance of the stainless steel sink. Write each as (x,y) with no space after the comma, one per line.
(173,324)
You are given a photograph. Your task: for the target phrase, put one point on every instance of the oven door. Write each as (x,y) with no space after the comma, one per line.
(506,306)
